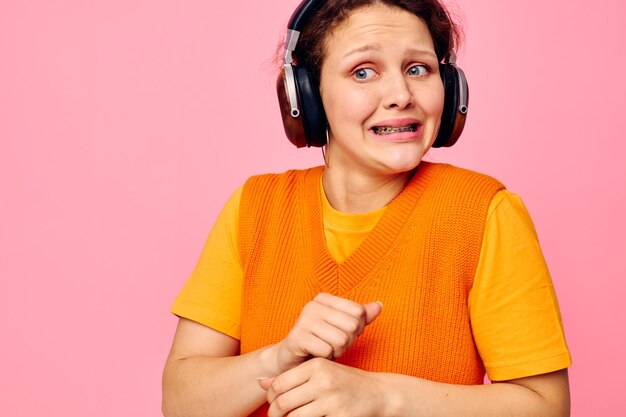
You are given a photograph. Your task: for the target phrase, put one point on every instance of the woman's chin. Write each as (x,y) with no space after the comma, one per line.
(401,160)
(399,166)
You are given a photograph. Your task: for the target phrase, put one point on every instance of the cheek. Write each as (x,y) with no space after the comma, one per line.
(359,105)
(434,100)
(348,105)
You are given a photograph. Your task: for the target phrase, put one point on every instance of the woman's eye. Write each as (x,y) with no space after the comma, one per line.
(364,73)
(418,70)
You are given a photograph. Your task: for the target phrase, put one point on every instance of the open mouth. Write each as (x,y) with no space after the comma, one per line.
(386,130)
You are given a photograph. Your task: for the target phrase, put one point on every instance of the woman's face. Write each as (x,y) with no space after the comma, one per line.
(381,90)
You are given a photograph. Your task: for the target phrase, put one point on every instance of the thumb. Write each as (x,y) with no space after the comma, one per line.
(372,310)
(265,382)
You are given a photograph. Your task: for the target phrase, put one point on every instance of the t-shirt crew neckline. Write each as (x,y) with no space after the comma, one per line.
(347,221)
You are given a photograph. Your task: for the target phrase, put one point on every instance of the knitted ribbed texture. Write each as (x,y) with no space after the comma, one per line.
(419,261)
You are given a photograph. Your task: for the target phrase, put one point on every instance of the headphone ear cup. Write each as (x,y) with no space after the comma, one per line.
(452,119)
(293,126)
(311,108)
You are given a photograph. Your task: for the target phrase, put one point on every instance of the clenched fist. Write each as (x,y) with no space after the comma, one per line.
(328,325)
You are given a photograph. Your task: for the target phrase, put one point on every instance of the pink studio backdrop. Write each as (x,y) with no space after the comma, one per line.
(125,125)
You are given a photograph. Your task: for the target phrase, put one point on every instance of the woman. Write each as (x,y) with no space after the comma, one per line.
(284,313)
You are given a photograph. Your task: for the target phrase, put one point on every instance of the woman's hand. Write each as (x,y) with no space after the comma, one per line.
(327,326)
(321,387)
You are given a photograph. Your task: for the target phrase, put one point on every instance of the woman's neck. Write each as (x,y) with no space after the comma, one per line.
(357,192)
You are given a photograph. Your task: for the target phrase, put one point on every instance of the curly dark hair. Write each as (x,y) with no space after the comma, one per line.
(310,51)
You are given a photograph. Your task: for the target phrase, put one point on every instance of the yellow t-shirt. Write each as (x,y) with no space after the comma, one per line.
(514,313)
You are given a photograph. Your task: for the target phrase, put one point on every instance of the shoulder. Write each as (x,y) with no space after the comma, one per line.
(271,194)
(269,201)
(451,173)
(277,187)
(271,181)
(458,185)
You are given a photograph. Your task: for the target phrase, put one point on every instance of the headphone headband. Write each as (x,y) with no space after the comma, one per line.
(303,13)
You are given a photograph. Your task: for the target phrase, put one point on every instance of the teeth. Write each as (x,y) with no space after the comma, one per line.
(385,130)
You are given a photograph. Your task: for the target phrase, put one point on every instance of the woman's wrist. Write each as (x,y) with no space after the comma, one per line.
(268,357)
(391,401)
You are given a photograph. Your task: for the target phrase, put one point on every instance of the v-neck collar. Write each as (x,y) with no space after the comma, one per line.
(340,278)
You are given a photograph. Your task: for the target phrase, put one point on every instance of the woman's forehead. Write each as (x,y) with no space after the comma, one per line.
(373,28)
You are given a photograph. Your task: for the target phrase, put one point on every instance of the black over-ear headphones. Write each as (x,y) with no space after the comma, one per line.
(301,106)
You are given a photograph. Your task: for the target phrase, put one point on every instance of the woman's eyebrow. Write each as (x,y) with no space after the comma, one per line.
(364,48)
(377,47)
(418,51)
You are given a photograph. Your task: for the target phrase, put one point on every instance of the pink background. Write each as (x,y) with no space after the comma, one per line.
(124,126)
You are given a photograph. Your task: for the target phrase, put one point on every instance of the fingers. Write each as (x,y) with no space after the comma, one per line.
(372,310)
(265,382)
(320,387)
(292,390)
(292,402)
(289,380)
(342,304)
(306,342)
(337,328)
(334,336)
(326,328)
(338,321)
(363,314)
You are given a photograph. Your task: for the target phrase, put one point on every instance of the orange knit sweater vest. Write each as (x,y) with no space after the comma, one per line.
(419,261)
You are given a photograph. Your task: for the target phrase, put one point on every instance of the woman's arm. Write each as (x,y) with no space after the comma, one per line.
(204,375)
(324,388)
(544,395)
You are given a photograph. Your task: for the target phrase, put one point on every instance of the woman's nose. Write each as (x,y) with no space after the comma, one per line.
(397,92)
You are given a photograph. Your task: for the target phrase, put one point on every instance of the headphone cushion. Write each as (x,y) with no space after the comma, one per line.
(450,81)
(311,108)
(292,125)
